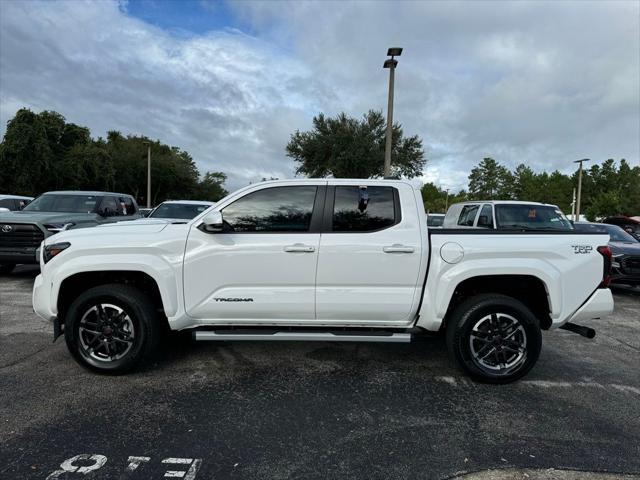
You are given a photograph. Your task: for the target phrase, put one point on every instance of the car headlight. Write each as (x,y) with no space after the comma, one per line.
(54,249)
(58,227)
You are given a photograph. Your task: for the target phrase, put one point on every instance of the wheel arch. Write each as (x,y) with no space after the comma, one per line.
(529,289)
(74,285)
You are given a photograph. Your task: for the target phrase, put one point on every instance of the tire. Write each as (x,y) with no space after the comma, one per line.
(494,338)
(7,268)
(116,336)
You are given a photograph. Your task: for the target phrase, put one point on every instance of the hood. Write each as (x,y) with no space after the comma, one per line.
(152,221)
(44,217)
(629,248)
(111,233)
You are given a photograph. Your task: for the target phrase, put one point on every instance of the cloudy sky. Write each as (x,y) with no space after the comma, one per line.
(537,82)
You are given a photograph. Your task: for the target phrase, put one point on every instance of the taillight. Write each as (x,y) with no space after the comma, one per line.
(605,251)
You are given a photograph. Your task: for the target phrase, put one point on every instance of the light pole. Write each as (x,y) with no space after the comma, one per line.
(391,64)
(446,202)
(579,186)
(148,144)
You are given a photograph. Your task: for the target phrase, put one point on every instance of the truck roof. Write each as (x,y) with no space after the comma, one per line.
(86,192)
(504,202)
(16,197)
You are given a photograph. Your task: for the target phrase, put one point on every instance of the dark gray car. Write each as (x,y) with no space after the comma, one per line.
(22,232)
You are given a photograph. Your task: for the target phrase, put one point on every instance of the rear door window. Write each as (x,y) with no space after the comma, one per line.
(364,208)
(485,219)
(468,215)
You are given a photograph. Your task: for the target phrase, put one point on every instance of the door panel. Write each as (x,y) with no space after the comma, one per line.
(371,274)
(263,266)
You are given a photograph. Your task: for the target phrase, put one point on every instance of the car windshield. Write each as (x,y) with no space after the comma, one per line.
(435,220)
(63,203)
(616,234)
(178,210)
(531,217)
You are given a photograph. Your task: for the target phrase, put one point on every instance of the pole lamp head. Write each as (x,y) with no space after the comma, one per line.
(394,52)
(583,160)
(390,63)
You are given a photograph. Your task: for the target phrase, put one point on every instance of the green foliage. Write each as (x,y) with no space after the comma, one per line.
(490,180)
(345,147)
(42,152)
(436,199)
(607,189)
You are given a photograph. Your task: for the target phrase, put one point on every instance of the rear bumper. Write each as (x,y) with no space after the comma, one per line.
(599,304)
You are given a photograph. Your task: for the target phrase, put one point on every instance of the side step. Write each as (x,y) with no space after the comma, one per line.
(386,337)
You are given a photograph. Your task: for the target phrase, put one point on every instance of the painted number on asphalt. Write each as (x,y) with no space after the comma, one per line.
(185,468)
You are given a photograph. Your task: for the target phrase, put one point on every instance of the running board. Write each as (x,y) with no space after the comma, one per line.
(207,335)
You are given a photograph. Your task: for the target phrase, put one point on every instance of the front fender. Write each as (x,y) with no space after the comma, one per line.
(159,269)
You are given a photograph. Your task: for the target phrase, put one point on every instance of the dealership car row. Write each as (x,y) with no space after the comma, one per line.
(25,222)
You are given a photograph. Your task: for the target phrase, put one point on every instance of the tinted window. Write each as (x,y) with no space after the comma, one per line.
(468,215)
(486,217)
(534,217)
(179,210)
(127,205)
(7,203)
(277,209)
(110,206)
(64,203)
(363,209)
(435,220)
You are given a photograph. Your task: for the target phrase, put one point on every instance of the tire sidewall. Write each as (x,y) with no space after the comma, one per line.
(470,312)
(137,314)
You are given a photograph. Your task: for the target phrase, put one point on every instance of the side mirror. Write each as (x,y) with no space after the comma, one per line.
(213,222)
(3,209)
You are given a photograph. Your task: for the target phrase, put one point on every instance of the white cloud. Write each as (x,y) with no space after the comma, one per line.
(535,82)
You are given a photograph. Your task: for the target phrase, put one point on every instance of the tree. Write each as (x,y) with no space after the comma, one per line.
(211,187)
(345,147)
(490,181)
(41,152)
(436,199)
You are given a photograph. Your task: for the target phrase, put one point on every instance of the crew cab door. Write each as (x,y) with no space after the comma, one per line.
(370,254)
(262,265)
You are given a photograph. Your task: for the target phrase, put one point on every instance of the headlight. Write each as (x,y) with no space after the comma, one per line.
(58,227)
(54,249)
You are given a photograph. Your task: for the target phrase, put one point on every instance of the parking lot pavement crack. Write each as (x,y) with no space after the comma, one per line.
(633,347)
(22,359)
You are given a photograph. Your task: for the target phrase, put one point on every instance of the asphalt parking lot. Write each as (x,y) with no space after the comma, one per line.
(315,410)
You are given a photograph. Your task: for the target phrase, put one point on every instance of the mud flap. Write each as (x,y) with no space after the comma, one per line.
(57,329)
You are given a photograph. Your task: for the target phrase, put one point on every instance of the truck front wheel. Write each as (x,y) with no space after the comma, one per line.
(111,328)
(494,338)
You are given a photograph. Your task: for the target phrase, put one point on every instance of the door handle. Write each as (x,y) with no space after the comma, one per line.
(299,247)
(397,248)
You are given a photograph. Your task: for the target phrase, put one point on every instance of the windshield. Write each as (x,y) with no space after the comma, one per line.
(435,220)
(63,203)
(616,234)
(531,217)
(178,210)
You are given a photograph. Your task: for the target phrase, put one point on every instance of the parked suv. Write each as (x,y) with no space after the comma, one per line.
(506,215)
(22,232)
(11,203)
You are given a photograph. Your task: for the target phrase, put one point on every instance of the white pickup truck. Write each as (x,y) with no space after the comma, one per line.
(329,260)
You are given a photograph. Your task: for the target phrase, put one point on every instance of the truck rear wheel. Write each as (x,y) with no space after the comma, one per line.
(111,328)
(494,338)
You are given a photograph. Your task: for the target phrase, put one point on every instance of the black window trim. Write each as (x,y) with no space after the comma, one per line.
(327,226)
(315,225)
